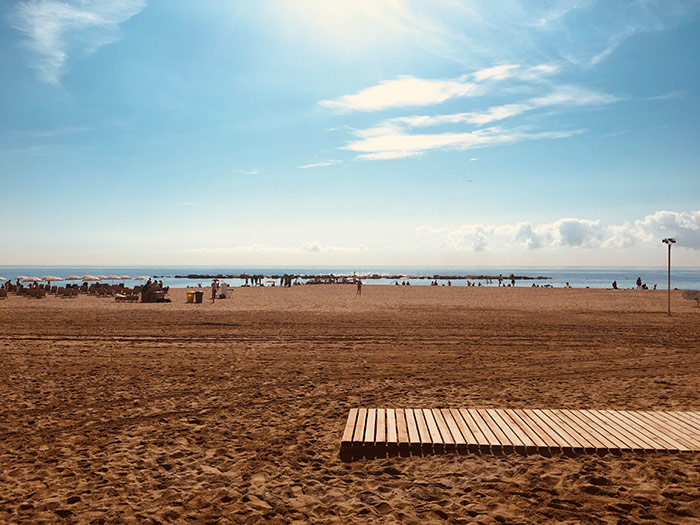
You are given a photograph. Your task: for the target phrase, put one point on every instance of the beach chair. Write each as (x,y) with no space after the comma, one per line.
(3,293)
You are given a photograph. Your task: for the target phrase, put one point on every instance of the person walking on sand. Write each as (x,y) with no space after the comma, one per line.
(359,287)
(214,286)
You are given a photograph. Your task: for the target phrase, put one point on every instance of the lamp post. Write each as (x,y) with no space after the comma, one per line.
(669,241)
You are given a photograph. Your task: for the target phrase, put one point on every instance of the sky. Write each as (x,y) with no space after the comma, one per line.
(349,132)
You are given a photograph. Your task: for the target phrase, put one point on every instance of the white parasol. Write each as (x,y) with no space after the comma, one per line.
(49,278)
(32,279)
(89,278)
(72,278)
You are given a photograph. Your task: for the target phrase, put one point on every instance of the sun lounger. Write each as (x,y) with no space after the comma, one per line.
(3,294)
(126,298)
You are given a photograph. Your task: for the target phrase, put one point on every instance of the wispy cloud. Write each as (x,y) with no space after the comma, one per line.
(570,233)
(318,164)
(306,247)
(391,143)
(253,171)
(403,91)
(54,29)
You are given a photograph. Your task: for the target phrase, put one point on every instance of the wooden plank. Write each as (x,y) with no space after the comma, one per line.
(445,433)
(433,429)
(641,438)
(686,421)
(523,437)
(359,434)
(401,431)
(532,430)
(472,435)
(654,429)
(610,430)
(413,437)
(570,438)
(549,442)
(676,429)
(369,426)
(488,427)
(667,429)
(391,434)
(609,441)
(515,439)
(586,437)
(349,427)
(380,429)
(460,441)
(424,435)
(692,416)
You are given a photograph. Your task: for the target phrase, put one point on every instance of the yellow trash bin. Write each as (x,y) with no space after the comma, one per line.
(190,297)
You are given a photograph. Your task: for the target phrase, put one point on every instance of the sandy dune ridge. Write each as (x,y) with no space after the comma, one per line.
(232,412)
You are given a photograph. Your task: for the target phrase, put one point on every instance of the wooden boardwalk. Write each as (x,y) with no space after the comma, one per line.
(378,432)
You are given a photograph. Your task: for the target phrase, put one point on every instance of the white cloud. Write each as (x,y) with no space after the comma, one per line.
(318,164)
(392,143)
(253,171)
(54,29)
(306,247)
(403,91)
(571,233)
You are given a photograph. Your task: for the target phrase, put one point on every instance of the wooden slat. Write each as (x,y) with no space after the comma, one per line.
(548,438)
(563,429)
(349,427)
(445,433)
(391,434)
(472,435)
(673,427)
(534,432)
(497,424)
(401,431)
(499,440)
(654,430)
(380,429)
(524,433)
(359,434)
(369,425)
(686,421)
(613,426)
(578,435)
(413,436)
(601,427)
(432,427)
(459,439)
(424,435)
(608,440)
(643,441)
(692,416)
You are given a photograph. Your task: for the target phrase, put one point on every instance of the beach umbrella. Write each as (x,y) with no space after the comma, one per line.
(72,278)
(49,278)
(3,279)
(102,277)
(89,278)
(125,277)
(112,277)
(21,277)
(32,279)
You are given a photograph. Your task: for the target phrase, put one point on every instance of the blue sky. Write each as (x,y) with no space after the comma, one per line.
(378,132)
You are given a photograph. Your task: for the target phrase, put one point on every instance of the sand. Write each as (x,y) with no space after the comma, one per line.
(232,412)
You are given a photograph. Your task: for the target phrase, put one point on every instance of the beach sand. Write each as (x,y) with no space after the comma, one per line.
(232,412)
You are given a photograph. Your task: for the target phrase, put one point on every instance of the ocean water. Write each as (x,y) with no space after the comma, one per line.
(683,278)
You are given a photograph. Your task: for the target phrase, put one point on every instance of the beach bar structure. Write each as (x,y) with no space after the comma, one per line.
(381,432)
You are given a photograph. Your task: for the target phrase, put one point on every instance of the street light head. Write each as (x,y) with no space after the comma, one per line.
(669,241)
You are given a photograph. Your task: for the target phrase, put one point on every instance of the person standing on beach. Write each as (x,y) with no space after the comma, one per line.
(359,287)
(639,283)
(214,286)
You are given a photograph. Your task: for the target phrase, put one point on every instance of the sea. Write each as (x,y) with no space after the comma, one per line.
(682,278)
